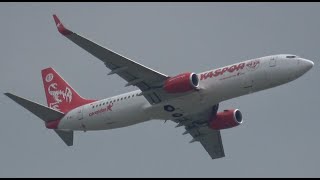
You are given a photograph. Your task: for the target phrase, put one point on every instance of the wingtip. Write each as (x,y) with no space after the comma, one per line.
(9,95)
(60,26)
(56,19)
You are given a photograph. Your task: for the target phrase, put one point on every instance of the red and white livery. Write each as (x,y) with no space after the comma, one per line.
(190,99)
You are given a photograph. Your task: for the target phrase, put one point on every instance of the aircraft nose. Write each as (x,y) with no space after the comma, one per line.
(306,64)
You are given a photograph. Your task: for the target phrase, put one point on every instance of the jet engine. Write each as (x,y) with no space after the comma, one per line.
(226,119)
(181,83)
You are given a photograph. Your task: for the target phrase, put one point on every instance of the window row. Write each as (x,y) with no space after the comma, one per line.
(114,100)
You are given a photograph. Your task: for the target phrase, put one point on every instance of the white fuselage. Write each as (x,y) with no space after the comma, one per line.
(216,85)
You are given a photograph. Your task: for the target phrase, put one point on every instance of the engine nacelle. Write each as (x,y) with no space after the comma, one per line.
(181,83)
(226,119)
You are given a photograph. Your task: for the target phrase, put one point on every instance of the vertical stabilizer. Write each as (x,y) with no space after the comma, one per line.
(59,93)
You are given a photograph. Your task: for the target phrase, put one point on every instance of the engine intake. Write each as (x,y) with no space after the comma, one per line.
(181,83)
(226,119)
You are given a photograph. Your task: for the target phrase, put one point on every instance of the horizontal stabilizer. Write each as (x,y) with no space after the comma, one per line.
(43,112)
(66,136)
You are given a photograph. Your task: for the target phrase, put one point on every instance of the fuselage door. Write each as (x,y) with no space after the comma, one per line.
(80,113)
(272,62)
(79,117)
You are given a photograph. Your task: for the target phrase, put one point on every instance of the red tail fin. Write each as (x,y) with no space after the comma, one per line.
(59,93)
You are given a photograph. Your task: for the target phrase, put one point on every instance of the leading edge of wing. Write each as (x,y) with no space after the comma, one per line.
(66,32)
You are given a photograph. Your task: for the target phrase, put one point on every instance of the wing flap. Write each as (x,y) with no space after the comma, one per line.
(143,77)
(211,141)
(196,125)
(146,79)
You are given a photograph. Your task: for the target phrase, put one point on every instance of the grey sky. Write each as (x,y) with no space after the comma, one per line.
(280,133)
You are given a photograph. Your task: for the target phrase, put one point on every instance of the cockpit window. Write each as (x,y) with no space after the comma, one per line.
(291,56)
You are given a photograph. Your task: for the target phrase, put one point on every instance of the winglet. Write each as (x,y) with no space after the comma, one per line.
(60,27)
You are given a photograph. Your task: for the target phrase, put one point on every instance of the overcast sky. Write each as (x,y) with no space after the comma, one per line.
(279,136)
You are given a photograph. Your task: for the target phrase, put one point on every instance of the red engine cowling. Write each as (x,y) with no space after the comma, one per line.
(226,119)
(181,83)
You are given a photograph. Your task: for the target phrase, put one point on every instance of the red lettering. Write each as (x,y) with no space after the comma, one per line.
(206,75)
(217,73)
(224,70)
(109,107)
(97,112)
(232,68)
(241,66)
(203,76)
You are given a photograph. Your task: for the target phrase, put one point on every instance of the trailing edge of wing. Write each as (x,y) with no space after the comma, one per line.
(210,139)
(102,53)
(136,74)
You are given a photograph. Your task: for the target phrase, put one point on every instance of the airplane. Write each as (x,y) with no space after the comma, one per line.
(189,99)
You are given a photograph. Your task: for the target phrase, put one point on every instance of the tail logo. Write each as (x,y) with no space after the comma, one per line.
(56,94)
(49,77)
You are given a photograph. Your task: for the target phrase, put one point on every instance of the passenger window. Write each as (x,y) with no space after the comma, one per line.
(121,98)
(117,99)
(103,104)
(114,100)
(125,97)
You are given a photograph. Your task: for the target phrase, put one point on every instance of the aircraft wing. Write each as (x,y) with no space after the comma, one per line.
(147,80)
(196,125)
(211,141)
